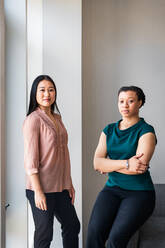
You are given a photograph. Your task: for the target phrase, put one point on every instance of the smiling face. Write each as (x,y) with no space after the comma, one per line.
(45,95)
(128,104)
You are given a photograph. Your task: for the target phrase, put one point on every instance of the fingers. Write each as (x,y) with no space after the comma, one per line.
(139,155)
(141,168)
(72,195)
(136,165)
(102,173)
(42,205)
(73,198)
(40,201)
(141,171)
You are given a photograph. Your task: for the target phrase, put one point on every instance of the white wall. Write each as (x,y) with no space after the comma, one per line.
(62,61)
(2,125)
(34,40)
(68,80)
(123,44)
(34,68)
(16,215)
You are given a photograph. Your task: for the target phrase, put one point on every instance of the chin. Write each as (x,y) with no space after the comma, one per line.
(126,115)
(46,105)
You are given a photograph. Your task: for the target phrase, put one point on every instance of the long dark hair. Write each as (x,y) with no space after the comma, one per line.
(33,102)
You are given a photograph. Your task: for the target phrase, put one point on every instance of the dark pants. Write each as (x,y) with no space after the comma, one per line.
(59,205)
(116,216)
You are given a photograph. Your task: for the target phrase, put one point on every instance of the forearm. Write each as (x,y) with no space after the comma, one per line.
(106,165)
(125,171)
(129,172)
(34,178)
(135,166)
(39,196)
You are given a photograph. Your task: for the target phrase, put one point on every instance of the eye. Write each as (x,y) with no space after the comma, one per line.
(51,90)
(42,90)
(131,101)
(121,101)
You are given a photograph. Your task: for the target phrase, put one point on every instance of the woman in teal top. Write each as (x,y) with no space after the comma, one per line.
(124,151)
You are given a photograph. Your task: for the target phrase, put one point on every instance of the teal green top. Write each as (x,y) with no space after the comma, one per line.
(121,145)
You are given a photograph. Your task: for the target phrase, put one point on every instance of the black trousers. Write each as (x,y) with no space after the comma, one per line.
(116,216)
(59,205)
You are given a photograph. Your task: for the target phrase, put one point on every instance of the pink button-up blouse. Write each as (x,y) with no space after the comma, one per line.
(46,152)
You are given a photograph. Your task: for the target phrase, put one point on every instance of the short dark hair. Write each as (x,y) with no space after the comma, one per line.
(139,92)
(33,102)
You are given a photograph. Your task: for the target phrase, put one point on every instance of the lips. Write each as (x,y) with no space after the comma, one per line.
(125,111)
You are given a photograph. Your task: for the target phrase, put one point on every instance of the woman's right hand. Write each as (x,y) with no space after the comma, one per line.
(40,200)
(135,164)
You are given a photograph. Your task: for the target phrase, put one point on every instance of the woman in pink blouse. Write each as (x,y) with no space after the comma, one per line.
(49,186)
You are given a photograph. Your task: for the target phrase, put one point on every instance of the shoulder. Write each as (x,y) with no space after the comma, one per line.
(109,128)
(58,116)
(147,128)
(32,121)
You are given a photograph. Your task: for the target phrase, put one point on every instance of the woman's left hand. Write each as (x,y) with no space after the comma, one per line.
(72,194)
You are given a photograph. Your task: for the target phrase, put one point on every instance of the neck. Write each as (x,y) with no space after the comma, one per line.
(128,122)
(46,110)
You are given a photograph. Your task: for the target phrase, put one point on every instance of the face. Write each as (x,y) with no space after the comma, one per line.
(128,103)
(45,95)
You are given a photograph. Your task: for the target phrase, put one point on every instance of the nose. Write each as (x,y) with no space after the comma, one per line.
(46,93)
(125,104)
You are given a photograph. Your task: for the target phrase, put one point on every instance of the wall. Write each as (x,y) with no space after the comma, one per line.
(99,70)
(16,215)
(42,47)
(34,68)
(123,44)
(34,41)
(62,60)
(2,125)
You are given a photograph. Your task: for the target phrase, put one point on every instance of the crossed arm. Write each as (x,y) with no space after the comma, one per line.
(138,164)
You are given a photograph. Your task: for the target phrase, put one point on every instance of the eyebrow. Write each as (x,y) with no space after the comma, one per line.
(128,97)
(51,87)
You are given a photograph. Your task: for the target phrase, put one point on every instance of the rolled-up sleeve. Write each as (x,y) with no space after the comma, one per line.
(31,145)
